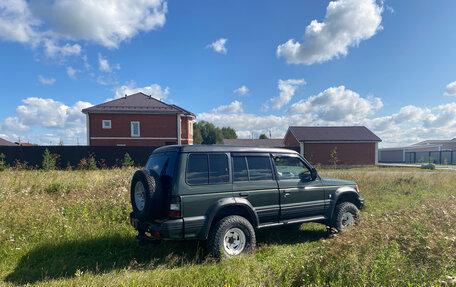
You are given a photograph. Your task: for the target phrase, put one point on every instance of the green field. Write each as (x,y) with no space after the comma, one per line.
(70,228)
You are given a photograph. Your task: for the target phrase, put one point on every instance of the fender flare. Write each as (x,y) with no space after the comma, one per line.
(224,203)
(342,191)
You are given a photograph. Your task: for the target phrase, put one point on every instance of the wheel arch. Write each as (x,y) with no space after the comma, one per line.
(343,194)
(226,207)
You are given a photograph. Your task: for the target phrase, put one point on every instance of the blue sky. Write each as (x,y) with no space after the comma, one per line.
(258,66)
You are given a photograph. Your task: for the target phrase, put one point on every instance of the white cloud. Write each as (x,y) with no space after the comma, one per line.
(46,81)
(51,117)
(287,89)
(71,72)
(347,23)
(341,106)
(444,118)
(103,64)
(104,22)
(86,62)
(219,46)
(450,89)
(233,108)
(17,23)
(337,104)
(153,90)
(243,90)
(52,50)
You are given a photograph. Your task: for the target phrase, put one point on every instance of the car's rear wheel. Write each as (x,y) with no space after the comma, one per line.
(146,195)
(231,236)
(346,216)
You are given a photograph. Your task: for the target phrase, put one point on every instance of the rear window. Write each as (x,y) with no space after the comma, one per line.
(162,163)
(207,169)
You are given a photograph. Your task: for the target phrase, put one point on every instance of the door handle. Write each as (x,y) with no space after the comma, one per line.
(243,194)
(286,193)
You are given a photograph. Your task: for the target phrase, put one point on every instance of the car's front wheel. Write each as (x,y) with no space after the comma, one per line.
(345,216)
(231,236)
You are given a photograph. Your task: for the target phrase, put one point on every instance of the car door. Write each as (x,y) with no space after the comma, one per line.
(253,179)
(300,196)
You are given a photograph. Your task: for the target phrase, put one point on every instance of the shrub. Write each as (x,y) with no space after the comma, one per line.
(333,159)
(430,166)
(3,164)
(88,163)
(20,165)
(54,187)
(127,161)
(49,160)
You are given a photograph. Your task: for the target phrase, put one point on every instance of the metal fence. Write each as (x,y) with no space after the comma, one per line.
(106,156)
(438,157)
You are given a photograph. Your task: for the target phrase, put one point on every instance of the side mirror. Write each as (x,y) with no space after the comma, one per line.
(313,173)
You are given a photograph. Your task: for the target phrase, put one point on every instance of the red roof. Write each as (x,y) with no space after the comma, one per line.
(137,103)
(341,133)
(6,143)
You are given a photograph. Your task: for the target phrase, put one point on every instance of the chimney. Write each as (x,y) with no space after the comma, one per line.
(150,96)
(125,96)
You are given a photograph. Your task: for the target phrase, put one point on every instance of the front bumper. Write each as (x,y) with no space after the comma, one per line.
(361,203)
(167,229)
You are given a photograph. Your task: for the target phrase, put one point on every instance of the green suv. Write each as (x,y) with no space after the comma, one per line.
(222,194)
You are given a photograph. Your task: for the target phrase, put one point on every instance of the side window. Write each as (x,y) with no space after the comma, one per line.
(218,168)
(291,168)
(207,169)
(240,169)
(197,169)
(259,167)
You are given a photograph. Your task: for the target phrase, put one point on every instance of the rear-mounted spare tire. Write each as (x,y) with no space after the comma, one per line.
(146,195)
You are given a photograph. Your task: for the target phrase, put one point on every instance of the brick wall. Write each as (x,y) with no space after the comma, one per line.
(161,127)
(290,140)
(347,153)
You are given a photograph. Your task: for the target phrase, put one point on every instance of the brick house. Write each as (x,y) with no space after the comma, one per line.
(138,120)
(356,145)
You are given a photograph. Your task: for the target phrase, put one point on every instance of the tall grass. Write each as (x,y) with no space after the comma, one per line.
(70,228)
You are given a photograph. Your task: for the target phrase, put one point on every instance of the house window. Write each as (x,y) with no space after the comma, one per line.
(135,129)
(106,124)
(190,128)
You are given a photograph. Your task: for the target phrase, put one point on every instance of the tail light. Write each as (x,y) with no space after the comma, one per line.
(175,207)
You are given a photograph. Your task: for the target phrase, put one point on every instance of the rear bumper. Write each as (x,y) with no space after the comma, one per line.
(361,203)
(168,229)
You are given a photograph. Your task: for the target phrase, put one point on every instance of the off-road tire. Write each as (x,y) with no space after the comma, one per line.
(154,198)
(341,212)
(215,242)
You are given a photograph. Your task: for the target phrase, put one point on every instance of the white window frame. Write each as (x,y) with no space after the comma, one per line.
(139,129)
(190,128)
(103,124)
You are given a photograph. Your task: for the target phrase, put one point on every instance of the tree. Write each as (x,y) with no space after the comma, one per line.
(209,133)
(229,133)
(49,160)
(263,137)
(197,137)
(206,133)
(333,159)
(127,161)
